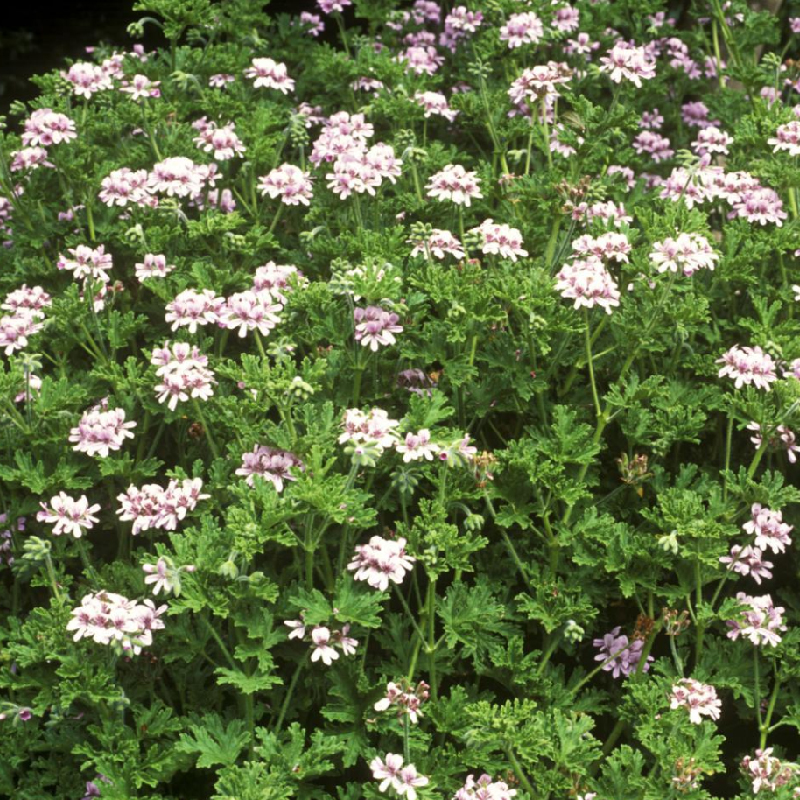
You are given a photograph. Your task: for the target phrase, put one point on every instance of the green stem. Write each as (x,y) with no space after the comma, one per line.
(289,692)
(757,688)
(211,443)
(218,639)
(765,728)
(406,740)
(590,362)
(521,777)
(431,649)
(51,573)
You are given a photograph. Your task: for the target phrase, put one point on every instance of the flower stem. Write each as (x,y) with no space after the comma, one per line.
(289,692)
(589,361)
(211,443)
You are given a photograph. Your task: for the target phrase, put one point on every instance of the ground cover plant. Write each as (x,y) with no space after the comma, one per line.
(400,400)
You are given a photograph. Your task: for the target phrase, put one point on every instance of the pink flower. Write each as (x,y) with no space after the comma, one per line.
(101,430)
(747,561)
(654,144)
(87,79)
(588,283)
(153,266)
(422,60)
(156,508)
(626,655)
(250,311)
(164,576)
(688,253)
(123,186)
(539,82)
(374,427)
(418,445)
(269,74)
(222,142)
(375,327)
(769,529)
(271,464)
(192,308)
(760,622)
(438,244)
(700,698)
(629,62)
(386,772)
(45,127)
(407,700)
(220,80)
(184,373)
(523,28)
(113,620)
(610,246)
(454,183)
(68,515)
(29,158)
(322,650)
(380,561)
(329,6)
(712,140)
(500,239)
(486,789)
(141,88)
(435,103)
(87,262)
(289,183)
(297,628)
(748,365)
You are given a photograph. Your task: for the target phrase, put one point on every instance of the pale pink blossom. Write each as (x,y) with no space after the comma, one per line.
(700,698)
(269,74)
(68,515)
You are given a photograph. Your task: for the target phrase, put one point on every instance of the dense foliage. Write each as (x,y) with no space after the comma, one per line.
(401,400)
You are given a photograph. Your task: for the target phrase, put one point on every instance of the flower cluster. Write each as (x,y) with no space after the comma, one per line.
(113,620)
(375,326)
(154,507)
(222,142)
(501,240)
(767,772)
(324,641)
(101,430)
(26,318)
(406,698)
(700,698)
(435,103)
(269,74)
(380,561)
(748,560)
(191,309)
(628,62)
(46,127)
(484,789)
(688,253)
(456,184)
(748,365)
(271,464)
(769,529)
(438,244)
(761,622)
(68,515)
(153,266)
(588,283)
(522,28)
(288,182)
(374,427)
(164,576)
(392,774)
(619,655)
(184,373)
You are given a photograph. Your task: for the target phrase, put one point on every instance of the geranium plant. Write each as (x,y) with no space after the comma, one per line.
(401,399)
